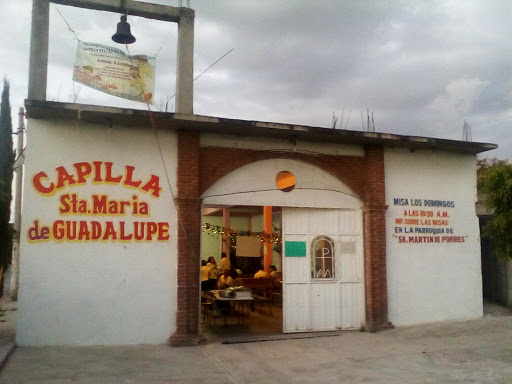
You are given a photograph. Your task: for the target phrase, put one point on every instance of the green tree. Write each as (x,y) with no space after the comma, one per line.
(495,185)
(6,164)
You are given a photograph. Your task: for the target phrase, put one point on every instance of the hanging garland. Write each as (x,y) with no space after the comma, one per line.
(210,229)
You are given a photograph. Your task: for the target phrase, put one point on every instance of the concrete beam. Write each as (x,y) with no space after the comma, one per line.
(38,64)
(38,67)
(52,110)
(133,8)
(185,66)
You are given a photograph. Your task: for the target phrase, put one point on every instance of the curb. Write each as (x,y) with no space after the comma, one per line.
(4,355)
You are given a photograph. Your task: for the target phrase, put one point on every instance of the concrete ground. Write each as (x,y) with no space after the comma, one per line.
(7,322)
(472,351)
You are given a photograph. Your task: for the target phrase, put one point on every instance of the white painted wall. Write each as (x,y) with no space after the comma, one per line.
(97,293)
(433,281)
(255,184)
(274,144)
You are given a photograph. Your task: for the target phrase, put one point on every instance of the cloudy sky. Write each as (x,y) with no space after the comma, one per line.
(421,67)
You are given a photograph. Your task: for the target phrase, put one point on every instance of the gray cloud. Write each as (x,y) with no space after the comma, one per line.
(421,67)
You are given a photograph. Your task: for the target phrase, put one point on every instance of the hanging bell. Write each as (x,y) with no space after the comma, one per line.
(123,34)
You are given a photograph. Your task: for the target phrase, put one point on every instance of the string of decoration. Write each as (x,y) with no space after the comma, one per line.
(218,230)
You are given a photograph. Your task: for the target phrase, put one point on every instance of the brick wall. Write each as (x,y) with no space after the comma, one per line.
(218,162)
(188,205)
(199,168)
(374,219)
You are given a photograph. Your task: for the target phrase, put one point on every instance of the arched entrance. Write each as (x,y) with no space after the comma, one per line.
(200,167)
(322,219)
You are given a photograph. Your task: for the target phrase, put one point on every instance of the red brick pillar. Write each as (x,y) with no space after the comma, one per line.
(374,216)
(188,205)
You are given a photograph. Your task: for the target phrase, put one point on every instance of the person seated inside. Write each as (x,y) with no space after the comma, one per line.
(225,281)
(237,282)
(204,276)
(273,272)
(261,274)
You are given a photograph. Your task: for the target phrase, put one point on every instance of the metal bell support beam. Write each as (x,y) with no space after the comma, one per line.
(38,68)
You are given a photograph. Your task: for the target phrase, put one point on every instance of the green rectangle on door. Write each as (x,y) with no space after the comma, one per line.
(295,248)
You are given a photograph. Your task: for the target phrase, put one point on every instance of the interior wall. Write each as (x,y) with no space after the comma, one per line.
(211,244)
(109,290)
(433,239)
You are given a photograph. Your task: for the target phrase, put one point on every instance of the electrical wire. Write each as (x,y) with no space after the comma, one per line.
(163,41)
(155,132)
(202,73)
(69,27)
(274,189)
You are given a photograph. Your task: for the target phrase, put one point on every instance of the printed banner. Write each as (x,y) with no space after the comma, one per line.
(110,70)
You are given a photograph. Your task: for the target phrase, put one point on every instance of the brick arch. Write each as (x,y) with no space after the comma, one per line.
(199,168)
(363,175)
(215,163)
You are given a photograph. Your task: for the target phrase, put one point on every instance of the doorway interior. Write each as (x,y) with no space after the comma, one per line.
(252,239)
(320,283)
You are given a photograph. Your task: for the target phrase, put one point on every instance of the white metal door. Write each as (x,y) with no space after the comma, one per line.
(333,301)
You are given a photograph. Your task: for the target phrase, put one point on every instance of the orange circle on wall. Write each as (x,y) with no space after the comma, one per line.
(285,181)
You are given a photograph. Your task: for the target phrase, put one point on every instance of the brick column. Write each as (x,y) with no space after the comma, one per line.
(374,216)
(188,205)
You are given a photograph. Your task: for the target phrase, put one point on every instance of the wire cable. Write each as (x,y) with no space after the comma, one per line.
(202,73)
(274,189)
(65,21)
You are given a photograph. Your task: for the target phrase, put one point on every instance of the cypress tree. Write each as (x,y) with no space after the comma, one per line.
(6,173)
(495,184)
